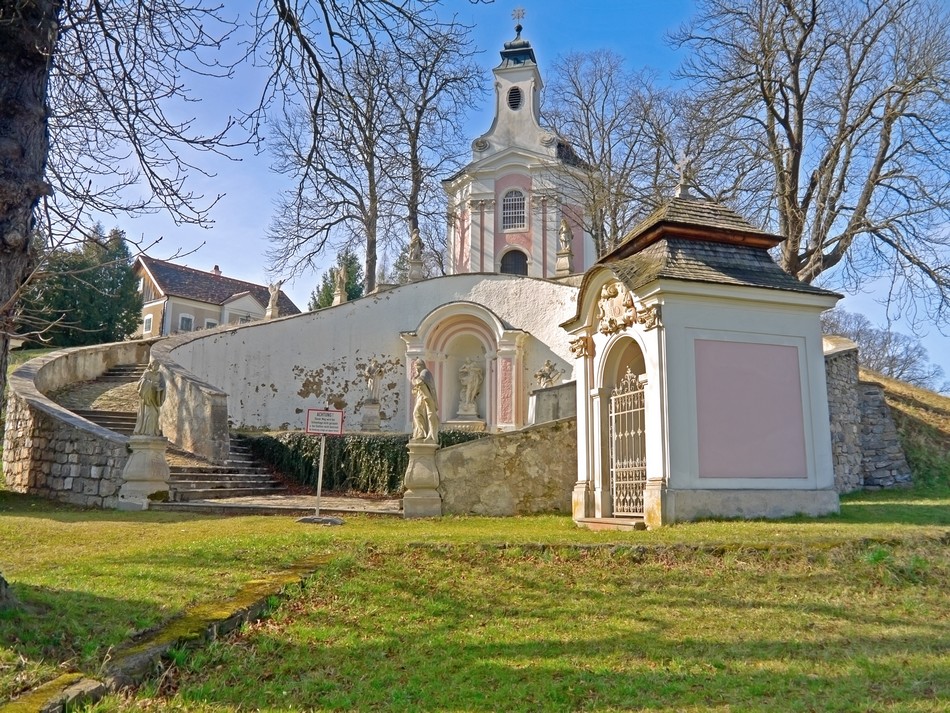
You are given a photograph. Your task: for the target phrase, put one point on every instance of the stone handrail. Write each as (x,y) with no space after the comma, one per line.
(52,452)
(195,414)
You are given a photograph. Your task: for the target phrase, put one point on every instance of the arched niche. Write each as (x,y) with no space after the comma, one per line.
(453,333)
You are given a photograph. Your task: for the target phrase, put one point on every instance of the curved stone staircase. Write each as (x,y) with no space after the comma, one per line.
(191,478)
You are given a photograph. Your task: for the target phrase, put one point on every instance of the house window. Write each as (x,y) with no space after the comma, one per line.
(147,324)
(210,324)
(514,262)
(512,211)
(186,323)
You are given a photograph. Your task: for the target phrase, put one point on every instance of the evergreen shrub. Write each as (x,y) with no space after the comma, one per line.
(358,462)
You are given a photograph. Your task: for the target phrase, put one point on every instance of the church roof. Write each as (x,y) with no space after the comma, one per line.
(187,282)
(517,52)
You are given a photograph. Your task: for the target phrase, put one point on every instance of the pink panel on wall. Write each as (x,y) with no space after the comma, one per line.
(504,389)
(749,414)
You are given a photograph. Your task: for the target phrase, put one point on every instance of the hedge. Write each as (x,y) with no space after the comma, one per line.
(353,462)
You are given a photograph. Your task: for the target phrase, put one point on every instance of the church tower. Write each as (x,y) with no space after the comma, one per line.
(507,205)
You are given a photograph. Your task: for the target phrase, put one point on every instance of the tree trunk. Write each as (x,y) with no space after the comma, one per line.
(27,39)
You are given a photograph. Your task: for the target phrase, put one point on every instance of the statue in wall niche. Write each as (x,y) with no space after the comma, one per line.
(425,411)
(373,373)
(151,390)
(471,376)
(565,236)
(548,375)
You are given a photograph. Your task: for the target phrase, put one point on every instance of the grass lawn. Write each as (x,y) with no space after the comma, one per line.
(846,613)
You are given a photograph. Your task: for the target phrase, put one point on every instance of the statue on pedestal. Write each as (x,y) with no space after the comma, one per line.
(425,412)
(565,236)
(151,390)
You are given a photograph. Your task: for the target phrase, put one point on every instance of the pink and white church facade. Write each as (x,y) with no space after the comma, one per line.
(506,206)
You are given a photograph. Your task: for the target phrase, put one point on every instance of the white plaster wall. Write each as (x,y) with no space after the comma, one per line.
(274,371)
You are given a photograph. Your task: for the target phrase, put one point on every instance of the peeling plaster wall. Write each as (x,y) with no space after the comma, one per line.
(274,371)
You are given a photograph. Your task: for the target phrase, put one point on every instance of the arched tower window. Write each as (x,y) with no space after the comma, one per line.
(514,262)
(512,210)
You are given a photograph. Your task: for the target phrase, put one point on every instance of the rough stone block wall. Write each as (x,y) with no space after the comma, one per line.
(527,471)
(884,464)
(844,407)
(55,457)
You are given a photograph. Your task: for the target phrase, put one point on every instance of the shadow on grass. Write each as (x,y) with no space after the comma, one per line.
(22,505)
(53,631)
(528,640)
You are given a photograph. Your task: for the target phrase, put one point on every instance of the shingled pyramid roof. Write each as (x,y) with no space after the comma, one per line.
(702,241)
(187,282)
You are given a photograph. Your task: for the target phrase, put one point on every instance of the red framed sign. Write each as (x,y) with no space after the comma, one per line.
(322,421)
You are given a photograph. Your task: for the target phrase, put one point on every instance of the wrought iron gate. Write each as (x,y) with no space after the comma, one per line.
(628,461)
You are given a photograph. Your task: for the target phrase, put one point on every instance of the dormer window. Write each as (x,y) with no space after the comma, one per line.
(515,98)
(512,211)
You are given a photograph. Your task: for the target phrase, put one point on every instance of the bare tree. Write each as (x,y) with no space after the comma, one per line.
(434,85)
(603,110)
(892,354)
(834,117)
(343,170)
(372,154)
(86,93)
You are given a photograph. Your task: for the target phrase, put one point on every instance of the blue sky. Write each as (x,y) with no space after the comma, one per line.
(637,29)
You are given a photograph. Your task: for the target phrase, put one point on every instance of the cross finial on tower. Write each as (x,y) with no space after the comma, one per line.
(518,16)
(684,166)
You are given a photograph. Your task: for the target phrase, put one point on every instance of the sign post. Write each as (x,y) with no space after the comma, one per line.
(322,422)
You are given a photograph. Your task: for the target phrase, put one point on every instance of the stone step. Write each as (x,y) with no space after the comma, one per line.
(215,493)
(193,475)
(224,483)
(218,469)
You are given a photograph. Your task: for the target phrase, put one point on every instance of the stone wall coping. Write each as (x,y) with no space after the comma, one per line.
(834,345)
(510,434)
(22,382)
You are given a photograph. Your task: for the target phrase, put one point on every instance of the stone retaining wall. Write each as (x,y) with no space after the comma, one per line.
(527,471)
(47,449)
(865,444)
(884,464)
(844,408)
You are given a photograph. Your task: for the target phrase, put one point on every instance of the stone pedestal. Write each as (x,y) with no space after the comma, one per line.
(565,263)
(470,425)
(270,313)
(370,418)
(339,297)
(422,497)
(417,270)
(146,473)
